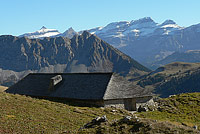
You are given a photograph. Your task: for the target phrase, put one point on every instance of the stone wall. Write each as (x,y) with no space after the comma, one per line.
(147,100)
(129,104)
(114,103)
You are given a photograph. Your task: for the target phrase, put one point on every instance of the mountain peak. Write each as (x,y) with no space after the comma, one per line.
(86,34)
(43,32)
(69,33)
(43,27)
(166,22)
(143,20)
(70,29)
(146,19)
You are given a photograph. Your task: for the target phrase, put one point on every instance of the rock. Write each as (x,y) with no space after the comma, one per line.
(142,109)
(95,121)
(78,110)
(160,108)
(171,96)
(127,119)
(104,118)
(113,110)
(135,117)
(184,124)
(100,119)
(195,127)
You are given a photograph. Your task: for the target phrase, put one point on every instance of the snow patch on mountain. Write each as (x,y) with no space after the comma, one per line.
(43,32)
(171,26)
(136,28)
(119,34)
(193,51)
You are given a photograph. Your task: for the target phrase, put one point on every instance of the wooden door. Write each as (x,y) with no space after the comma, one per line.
(130,104)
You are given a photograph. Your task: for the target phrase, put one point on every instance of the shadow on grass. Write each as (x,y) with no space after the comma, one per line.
(72,102)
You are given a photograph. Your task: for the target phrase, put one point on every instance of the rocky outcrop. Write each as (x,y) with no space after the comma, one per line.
(69,33)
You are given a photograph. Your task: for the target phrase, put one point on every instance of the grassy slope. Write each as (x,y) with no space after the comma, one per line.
(174,67)
(21,114)
(182,109)
(2,88)
(177,70)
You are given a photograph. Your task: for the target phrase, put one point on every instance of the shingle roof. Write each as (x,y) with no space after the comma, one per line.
(90,86)
(118,88)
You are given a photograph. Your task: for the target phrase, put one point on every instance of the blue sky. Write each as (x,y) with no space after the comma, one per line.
(21,16)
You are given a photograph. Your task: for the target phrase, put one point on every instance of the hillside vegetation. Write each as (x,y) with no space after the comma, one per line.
(21,114)
(174,78)
(183,109)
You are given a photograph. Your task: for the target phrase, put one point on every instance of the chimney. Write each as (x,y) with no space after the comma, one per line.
(54,81)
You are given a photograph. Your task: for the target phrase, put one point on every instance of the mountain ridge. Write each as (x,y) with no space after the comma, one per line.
(173,79)
(192,56)
(82,53)
(141,22)
(45,32)
(159,40)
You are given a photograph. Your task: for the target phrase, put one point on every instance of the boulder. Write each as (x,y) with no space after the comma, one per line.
(142,109)
(96,121)
(126,119)
(195,127)
(99,119)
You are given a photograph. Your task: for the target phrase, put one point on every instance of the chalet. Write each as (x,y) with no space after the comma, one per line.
(100,89)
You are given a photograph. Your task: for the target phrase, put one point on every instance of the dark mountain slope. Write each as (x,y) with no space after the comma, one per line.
(82,53)
(93,54)
(19,54)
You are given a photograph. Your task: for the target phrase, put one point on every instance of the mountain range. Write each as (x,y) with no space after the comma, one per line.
(147,41)
(126,31)
(83,53)
(144,40)
(150,43)
(45,32)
